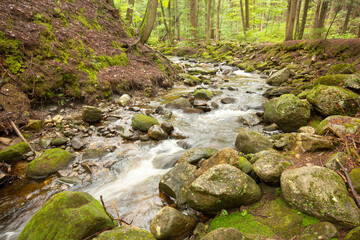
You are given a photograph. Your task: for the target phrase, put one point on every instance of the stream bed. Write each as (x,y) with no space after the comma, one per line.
(132,179)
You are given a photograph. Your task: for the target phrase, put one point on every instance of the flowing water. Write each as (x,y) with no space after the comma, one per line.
(137,167)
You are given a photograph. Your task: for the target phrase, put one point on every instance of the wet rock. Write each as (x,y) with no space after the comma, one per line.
(249,119)
(202,71)
(91,114)
(355,178)
(58,142)
(288,112)
(157,133)
(77,144)
(336,80)
(227,100)
(320,192)
(169,223)
(125,232)
(341,124)
(251,142)
(167,127)
(279,77)
(222,186)
(55,220)
(272,127)
(70,180)
(342,68)
(321,230)
(45,142)
(34,125)
(302,142)
(180,103)
(177,134)
(193,111)
(231,88)
(224,234)
(214,105)
(199,103)
(354,234)
(94,153)
(48,163)
(277,91)
(269,166)
(332,163)
(142,122)
(189,79)
(194,155)
(327,99)
(203,94)
(124,100)
(14,153)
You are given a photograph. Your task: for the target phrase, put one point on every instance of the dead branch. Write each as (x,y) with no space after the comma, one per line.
(20,135)
(119,219)
(349,182)
(342,110)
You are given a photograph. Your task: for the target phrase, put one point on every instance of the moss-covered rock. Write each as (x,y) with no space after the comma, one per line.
(250,69)
(355,178)
(342,68)
(222,186)
(279,77)
(48,163)
(331,80)
(126,232)
(331,162)
(194,155)
(341,124)
(354,234)
(91,114)
(320,192)
(179,103)
(331,100)
(322,230)
(190,79)
(59,141)
(202,71)
(288,112)
(225,234)
(242,66)
(14,153)
(142,122)
(34,125)
(245,165)
(67,215)
(251,142)
(170,223)
(203,94)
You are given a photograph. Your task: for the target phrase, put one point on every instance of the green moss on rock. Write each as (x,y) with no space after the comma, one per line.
(342,68)
(142,122)
(126,232)
(14,153)
(331,80)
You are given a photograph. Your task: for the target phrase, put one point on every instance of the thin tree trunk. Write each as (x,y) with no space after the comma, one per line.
(247,17)
(303,20)
(358,35)
(322,17)
(130,11)
(218,20)
(164,17)
(208,23)
(148,21)
(291,20)
(193,16)
(347,17)
(178,21)
(297,18)
(315,26)
(170,23)
(332,10)
(242,16)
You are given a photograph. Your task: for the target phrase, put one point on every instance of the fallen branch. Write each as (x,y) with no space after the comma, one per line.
(119,219)
(20,135)
(349,182)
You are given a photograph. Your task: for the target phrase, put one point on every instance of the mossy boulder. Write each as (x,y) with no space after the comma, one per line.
(342,68)
(128,232)
(190,79)
(355,178)
(245,165)
(331,162)
(222,186)
(143,122)
(59,141)
(170,223)
(251,142)
(202,71)
(279,77)
(203,94)
(331,100)
(124,100)
(304,142)
(242,66)
(91,114)
(34,125)
(67,215)
(14,153)
(270,165)
(354,234)
(277,91)
(341,124)
(320,192)
(321,230)
(48,163)
(331,80)
(224,234)
(288,112)
(179,103)
(194,155)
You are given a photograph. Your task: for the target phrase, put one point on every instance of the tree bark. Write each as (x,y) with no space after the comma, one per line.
(218,20)
(291,20)
(170,23)
(130,11)
(242,16)
(247,17)
(297,18)
(322,17)
(177,21)
(164,17)
(193,18)
(208,23)
(303,20)
(148,21)
(347,17)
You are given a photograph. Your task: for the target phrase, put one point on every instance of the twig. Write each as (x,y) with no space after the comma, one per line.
(20,135)
(117,213)
(119,219)
(335,132)
(342,110)
(349,182)
(103,204)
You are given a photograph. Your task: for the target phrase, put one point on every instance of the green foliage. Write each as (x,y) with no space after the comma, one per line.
(10,48)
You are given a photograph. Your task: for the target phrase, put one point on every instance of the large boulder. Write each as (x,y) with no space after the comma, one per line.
(222,186)
(342,125)
(331,100)
(143,122)
(169,223)
(14,153)
(321,230)
(194,155)
(269,166)
(251,142)
(224,234)
(288,112)
(342,68)
(304,142)
(67,215)
(91,114)
(320,192)
(202,70)
(128,232)
(173,183)
(332,80)
(48,163)
(279,77)
(223,156)
(179,103)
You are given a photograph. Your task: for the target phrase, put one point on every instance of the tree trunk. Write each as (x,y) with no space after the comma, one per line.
(315,26)
(322,17)
(208,23)
(291,20)
(297,18)
(170,23)
(347,17)
(303,20)
(178,21)
(193,18)
(242,17)
(148,21)
(332,9)
(164,17)
(130,11)
(218,20)
(247,18)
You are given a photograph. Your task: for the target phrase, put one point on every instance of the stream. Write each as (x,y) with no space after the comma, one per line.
(137,167)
